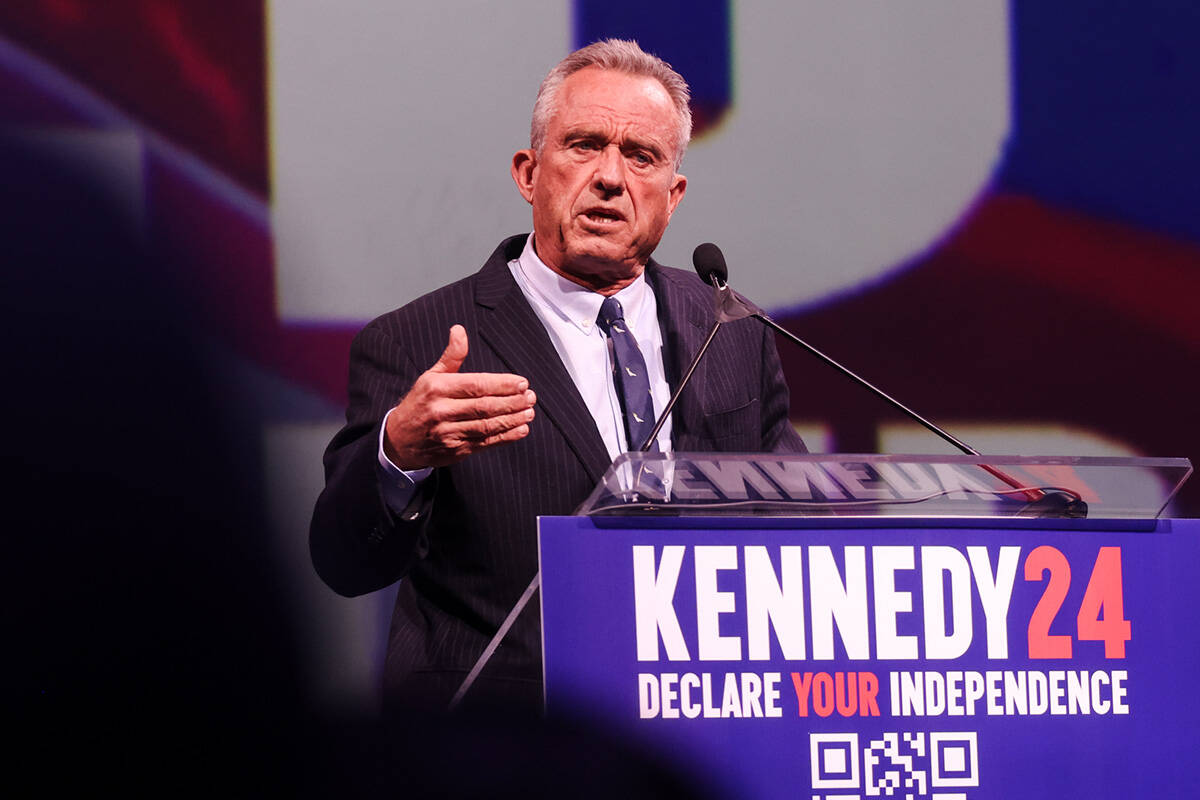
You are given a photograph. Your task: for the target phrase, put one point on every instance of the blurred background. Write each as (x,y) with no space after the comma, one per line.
(991,209)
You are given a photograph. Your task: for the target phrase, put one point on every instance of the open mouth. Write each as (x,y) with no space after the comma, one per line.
(602,216)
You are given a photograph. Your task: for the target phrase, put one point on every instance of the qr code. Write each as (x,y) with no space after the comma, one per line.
(905,766)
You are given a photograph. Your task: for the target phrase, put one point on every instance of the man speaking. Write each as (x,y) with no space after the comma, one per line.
(506,395)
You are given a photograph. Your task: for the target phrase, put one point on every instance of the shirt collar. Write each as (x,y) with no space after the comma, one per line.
(571,302)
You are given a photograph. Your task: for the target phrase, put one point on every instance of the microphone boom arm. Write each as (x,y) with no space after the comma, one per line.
(1031,494)
(730,306)
(782,331)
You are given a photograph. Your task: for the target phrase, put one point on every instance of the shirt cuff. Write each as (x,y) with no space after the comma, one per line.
(398,486)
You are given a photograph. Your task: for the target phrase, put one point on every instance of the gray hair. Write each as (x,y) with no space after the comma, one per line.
(624,56)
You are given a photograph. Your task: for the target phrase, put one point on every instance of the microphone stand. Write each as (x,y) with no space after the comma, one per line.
(732,303)
(687,376)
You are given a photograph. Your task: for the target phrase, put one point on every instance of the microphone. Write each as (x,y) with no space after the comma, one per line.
(728,304)
(709,262)
(710,265)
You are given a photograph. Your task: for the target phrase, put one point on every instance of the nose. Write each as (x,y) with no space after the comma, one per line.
(609,177)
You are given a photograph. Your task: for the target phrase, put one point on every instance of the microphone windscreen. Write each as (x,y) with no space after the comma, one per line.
(710,263)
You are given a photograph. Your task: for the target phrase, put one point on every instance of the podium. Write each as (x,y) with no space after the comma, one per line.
(842,626)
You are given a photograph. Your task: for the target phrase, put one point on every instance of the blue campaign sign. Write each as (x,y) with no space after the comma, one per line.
(950,660)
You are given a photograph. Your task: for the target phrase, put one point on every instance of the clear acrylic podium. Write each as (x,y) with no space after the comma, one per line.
(719,484)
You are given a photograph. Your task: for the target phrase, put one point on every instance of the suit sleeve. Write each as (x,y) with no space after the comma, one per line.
(357,543)
(778,434)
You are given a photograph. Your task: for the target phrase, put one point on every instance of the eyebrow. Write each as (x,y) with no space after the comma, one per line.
(599,136)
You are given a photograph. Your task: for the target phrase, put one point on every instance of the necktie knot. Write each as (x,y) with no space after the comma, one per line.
(611,314)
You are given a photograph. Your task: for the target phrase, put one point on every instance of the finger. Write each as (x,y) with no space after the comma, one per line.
(480,408)
(478,384)
(511,435)
(455,353)
(478,430)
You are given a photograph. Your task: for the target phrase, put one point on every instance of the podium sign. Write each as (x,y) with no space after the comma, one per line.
(941,658)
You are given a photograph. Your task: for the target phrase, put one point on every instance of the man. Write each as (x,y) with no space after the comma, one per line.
(479,407)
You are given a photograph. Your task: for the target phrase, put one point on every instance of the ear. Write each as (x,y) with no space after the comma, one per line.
(675,193)
(524,172)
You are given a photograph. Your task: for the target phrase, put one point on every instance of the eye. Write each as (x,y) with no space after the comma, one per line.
(641,158)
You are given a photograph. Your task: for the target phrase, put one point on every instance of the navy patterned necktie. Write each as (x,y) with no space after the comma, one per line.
(629,374)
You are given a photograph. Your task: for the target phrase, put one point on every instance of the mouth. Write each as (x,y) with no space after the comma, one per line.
(602,217)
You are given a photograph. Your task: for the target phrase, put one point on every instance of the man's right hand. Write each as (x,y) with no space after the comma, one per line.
(447,415)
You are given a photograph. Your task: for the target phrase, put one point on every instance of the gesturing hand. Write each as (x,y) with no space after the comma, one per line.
(447,415)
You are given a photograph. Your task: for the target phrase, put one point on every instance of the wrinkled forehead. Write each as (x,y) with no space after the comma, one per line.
(639,104)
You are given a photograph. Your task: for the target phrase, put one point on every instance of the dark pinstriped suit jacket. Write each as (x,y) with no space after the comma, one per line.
(471,551)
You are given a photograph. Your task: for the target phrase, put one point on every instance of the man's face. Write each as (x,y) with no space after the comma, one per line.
(604,186)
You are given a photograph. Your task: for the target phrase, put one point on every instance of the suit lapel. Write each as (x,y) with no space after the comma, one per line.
(514,332)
